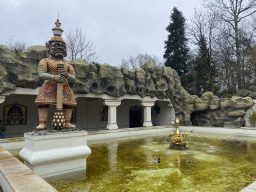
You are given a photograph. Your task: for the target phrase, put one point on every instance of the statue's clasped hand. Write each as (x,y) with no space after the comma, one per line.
(63,72)
(60,78)
(63,75)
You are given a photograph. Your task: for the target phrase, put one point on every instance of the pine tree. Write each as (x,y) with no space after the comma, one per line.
(190,79)
(201,67)
(176,51)
(205,69)
(212,85)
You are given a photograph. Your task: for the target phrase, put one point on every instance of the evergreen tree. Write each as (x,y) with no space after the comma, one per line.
(190,79)
(176,51)
(205,70)
(201,67)
(213,72)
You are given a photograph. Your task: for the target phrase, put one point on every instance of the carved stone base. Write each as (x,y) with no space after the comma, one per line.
(112,126)
(147,124)
(55,153)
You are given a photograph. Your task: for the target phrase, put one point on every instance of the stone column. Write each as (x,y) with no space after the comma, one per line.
(147,113)
(112,104)
(172,115)
(2,98)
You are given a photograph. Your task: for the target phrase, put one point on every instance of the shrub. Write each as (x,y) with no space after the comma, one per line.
(227,95)
(246,93)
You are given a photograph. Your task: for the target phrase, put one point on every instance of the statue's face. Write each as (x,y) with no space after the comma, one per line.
(57,49)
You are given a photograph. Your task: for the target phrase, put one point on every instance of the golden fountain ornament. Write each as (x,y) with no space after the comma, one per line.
(177,138)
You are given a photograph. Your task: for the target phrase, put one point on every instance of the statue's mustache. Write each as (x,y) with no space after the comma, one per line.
(59,49)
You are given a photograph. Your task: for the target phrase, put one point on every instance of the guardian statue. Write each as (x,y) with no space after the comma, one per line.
(52,75)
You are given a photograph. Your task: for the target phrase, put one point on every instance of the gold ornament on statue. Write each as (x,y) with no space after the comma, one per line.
(58,120)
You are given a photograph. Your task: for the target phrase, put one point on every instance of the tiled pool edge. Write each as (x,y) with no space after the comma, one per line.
(128,132)
(250,188)
(17,177)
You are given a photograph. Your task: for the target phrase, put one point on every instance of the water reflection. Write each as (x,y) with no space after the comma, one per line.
(148,155)
(112,156)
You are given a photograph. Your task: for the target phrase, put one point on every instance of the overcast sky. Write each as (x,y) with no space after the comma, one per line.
(118,28)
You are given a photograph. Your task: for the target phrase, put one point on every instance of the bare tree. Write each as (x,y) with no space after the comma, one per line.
(79,48)
(124,64)
(232,12)
(204,24)
(141,59)
(17,45)
(248,58)
(227,69)
(227,60)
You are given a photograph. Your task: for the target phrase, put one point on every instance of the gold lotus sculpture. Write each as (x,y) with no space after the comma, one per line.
(177,138)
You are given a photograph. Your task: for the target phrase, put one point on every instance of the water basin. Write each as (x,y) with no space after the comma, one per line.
(210,163)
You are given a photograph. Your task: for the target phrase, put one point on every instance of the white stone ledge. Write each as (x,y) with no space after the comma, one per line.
(56,135)
(55,153)
(219,130)
(50,156)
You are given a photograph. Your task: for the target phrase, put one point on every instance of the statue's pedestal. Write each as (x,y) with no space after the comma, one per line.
(52,154)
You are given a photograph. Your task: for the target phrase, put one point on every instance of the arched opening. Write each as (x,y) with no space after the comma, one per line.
(193,118)
(155,113)
(104,113)
(155,110)
(135,117)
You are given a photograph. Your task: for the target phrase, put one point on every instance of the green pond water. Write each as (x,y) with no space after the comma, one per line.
(210,163)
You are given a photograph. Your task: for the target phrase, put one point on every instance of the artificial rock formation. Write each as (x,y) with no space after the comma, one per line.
(19,69)
(209,110)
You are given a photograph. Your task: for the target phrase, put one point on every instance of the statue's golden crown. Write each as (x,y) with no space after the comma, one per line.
(57,32)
